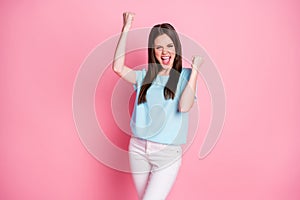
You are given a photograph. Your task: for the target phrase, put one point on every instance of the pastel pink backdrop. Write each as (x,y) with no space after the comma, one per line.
(256,46)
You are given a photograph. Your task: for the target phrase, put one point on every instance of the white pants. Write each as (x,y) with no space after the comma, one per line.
(154,167)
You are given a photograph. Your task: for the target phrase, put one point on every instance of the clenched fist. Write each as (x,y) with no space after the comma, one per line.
(197,61)
(127,20)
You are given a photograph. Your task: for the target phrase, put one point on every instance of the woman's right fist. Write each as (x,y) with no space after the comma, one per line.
(127,19)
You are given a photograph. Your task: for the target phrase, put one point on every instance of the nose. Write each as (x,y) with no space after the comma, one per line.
(164,51)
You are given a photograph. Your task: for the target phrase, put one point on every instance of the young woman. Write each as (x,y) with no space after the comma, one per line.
(164,95)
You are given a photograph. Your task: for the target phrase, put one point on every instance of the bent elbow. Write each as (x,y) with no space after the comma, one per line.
(116,69)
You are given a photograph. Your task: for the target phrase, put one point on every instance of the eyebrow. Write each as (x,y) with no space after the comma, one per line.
(161,45)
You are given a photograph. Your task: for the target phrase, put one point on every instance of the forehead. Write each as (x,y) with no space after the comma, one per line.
(162,40)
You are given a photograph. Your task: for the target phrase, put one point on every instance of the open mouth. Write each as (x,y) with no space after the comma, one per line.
(166,60)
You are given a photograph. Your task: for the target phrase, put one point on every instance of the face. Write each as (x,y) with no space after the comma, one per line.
(164,50)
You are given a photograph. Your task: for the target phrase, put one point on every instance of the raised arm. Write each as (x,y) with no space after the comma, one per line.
(187,98)
(119,58)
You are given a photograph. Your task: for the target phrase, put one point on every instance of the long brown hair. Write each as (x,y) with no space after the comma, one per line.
(154,66)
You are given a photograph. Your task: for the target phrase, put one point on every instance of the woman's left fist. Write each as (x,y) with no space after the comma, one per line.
(197,61)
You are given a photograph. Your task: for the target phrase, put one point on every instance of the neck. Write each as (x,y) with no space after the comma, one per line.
(164,72)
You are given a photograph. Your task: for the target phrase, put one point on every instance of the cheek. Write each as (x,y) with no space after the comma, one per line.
(173,54)
(157,54)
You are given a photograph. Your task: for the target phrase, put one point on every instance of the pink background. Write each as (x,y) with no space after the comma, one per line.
(256,46)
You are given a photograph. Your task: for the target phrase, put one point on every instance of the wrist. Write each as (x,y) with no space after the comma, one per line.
(126,27)
(195,71)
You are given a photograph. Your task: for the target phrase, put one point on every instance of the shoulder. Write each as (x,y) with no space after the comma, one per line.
(140,75)
(141,72)
(186,72)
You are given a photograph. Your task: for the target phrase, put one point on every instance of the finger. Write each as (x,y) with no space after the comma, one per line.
(201,60)
(194,59)
(131,16)
(125,14)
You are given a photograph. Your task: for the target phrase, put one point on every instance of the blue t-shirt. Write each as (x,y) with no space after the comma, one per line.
(158,119)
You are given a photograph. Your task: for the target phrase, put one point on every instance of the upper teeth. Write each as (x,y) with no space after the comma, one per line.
(165,57)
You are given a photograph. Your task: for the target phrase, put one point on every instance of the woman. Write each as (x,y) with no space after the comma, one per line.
(165,93)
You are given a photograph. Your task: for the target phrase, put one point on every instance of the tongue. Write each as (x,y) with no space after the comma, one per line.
(165,61)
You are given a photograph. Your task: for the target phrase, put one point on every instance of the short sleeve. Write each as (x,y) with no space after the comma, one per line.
(185,77)
(140,74)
